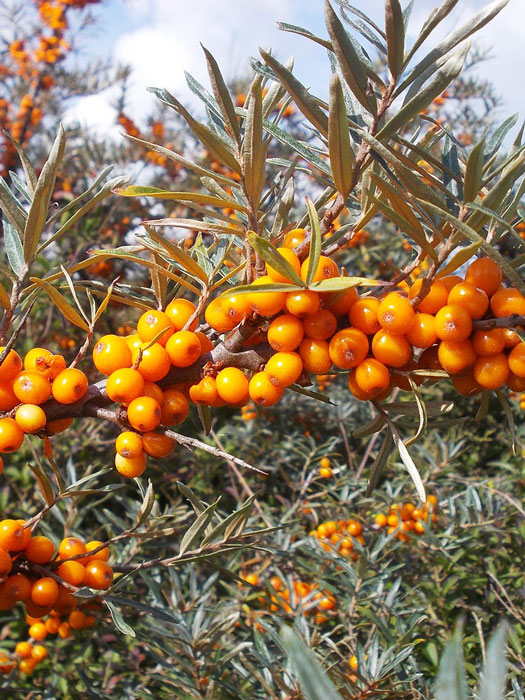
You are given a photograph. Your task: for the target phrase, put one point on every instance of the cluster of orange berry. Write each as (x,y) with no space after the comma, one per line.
(405,518)
(338,534)
(22,391)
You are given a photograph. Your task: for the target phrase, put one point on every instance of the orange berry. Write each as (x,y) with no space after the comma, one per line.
(325,472)
(27,666)
(516,383)
(285,333)
(205,392)
(101,555)
(179,312)
(144,413)
(206,344)
(236,307)
(290,258)
(17,587)
(453,322)
(58,426)
(517,360)
(133,342)
(157,445)
(11,534)
(39,652)
(285,368)
(31,387)
(44,591)
(474,301)
(27,532)
(354,388)
(183,348)
(266,303)
(124,385)
(11,366)
(391,349)
(39,549)
(130,467)
(38,631)
(76,620)
(484,274)
(30,418)
(363,315)
(321,325)
(380,519)
(372,377)
(52,624)
(65,602)
(263,390)
(6,563)
(43,361)
(341,302)
(435,298)
(217,318)
(232,385)
(511,338)
(72,572)
(23,649)
(454,357)
(395,313)
(99,574)
(326,268)
(69,386)
(155,362)
(423,332)
(315,355)
(302,304)
(64,630)
(35,612)
(450,281)
(348,348)
(154,391)
(8,400)
(71,547)
(491,371)
(11,435)
(175,407)
(507,301)
(151,323)
(111,352)
(489,342)
(294,238)
(466,385)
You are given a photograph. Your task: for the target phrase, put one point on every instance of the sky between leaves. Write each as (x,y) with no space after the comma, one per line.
(160,40)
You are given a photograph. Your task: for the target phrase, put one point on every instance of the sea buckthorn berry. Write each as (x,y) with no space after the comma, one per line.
(17,587)
(321,325)
(111,352)
(453,322)
(179,312)
(35,612)
(236,306)
(183,348)
(391,349)
(65,601)
(302,304)
(491,371)
(205,392)
(511,338)
(315,355)
(6,563)
(232,385)
(26,530)
(76,620)
(101,555)
(263,390)
(380,520)
(517,360)
(325,472)
(175,407)
(71,547)
(291,258)
(355,389)
(64,630)
(435,298)
(39,652)
(474,301)
(72,572)
(485,274)
(69,386)
(30,418)
(8,400)
(284,368)
(124,385)
(206,343)
(395,313)
(39,549)
(217,318)
(11,535)
(155,362)
(466,385)
(285,333)
(372,377)
(490,342)
(454,357)
(363,315)
(130,467)
(133,342)
(52,624)
(450,281)
(11,435)
(157,445)
(154,391)
(266,303)
(144,413)
(294,238)
(31,387)
(348,348)
(43,361)
(507,301)
(27,666)
(44,591)
(38,631)
(423,332)
(401,376)
(53,427)
(11,366)
(326,268)
(23,649)
(151,323)
(99,574)
(341,302)
(516,383)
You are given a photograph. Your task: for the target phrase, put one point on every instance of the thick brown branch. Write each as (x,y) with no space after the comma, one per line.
(486,324)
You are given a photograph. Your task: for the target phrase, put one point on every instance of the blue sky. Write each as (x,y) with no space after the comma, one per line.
(160,39)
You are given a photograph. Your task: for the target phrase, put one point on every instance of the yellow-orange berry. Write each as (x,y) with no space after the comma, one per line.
(266,303)
(363,315)
(111,352)
(11,435)
(124,385)
(302,304)
(69,386)
(263,390)
(491,371)
(294,238)
(11,366)
(205,392)
(101,555)
(11,535)
(321,325)
(31,387)
(453,322)
(348,348)
(485,274)
(454,356)
(435,298)
(6,563)
(183,348)
(517,360)
(72,572)
(38,631)
(39,652)
(218,318)
(395,313)
(64,630)
(284,368)
(232,385)
(144,413)
(44,591)
(52,624)
(99,574)
(474,301)
(326,268)
(490,342)
(372,376)
(151,323)
(341,302)
(391,349)
(175,407)
(130,466)
(23,649)
(30,418)
(423,332)
(236,307)
(157,445)
(71,547)
(39,549)
(315,355)
(206,343)
(8,400)
(179,312)
(285,333)
(155,362)
(507,301)
(58,426)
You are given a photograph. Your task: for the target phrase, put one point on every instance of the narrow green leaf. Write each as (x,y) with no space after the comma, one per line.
(437,15)
(44,484)
(339,148)
(146,506)
(492,686)
(63,305)
(302,98)
(395,36)
(352,68)
(253,151)
(451,681)
(194,532)
(222,95)
(204,414)
(473,173)
(408,462)
(37,215)
(294,29)
(510,420)
(315,242)
(11,208)
(179,255)
(118,620)
(228,525)
(250,289)
(379,463)
(195,225)
(337,284)
(460,257)
(14,250)
(272,257)
(157,193)
(496,138)
(29,171)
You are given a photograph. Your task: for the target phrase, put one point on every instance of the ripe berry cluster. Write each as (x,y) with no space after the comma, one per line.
(405,518)
(339,535)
